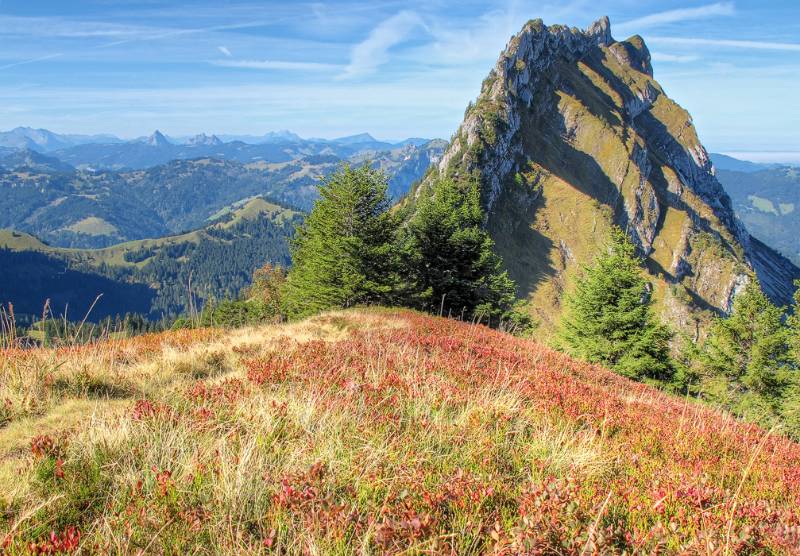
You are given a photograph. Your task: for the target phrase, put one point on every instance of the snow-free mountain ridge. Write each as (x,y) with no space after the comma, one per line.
(570,134)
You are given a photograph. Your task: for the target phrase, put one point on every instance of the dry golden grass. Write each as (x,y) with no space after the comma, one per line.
(371,431)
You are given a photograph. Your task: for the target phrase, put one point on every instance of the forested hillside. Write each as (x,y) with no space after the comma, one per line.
(768,202)
(151,277)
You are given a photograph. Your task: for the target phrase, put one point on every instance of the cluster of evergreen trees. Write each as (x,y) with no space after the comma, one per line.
(748,364)
(353,249)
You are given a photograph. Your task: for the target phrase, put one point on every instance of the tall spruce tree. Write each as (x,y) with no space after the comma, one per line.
(749,347)
(744,360)
(450,257)
(345,252)
(790,407)
(793,328)
(609,320)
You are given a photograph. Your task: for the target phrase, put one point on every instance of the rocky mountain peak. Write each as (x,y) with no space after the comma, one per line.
(356,139)
(30,138)
(633,53)
(601,31)
(157,139)
(571,134)
(203,139)
(281,136)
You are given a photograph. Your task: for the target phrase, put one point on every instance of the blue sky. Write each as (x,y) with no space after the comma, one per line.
(395,69)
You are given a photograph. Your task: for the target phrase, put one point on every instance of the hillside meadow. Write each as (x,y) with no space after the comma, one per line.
(372,431)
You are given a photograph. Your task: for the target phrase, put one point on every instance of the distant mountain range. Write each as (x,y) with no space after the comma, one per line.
(113,213)
(726,162)
(70,207)
(44,140)
(767,200)
(98,150)
(766,197)
(97,191)
(86,152)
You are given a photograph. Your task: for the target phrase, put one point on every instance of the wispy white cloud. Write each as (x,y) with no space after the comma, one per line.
(373,52)
(479,40)
(674,58)
(41,28)
(277,65)
(422,65)
(65,28)
(677,16)
(726,43)
(170,33)
(31,60)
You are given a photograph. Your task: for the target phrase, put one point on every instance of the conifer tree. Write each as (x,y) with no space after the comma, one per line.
(790,406)
(743,362)
(793,328)
(609,320)
(451,261)
(344,254)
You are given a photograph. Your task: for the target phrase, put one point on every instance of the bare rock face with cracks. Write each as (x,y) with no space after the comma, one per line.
(572,134)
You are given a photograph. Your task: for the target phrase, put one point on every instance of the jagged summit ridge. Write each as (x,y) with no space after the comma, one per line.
(527,60)
(601,31)
(570,134)
(203,139)
(515,78)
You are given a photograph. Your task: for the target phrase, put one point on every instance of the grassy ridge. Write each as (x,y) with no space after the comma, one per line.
(371,431)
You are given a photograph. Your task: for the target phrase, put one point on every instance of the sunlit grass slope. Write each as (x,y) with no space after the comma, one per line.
(372,432)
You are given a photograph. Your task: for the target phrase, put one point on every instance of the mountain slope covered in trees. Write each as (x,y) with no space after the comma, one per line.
(768,202)
(150,277)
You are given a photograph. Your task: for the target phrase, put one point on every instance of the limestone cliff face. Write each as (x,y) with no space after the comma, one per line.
(571,134)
